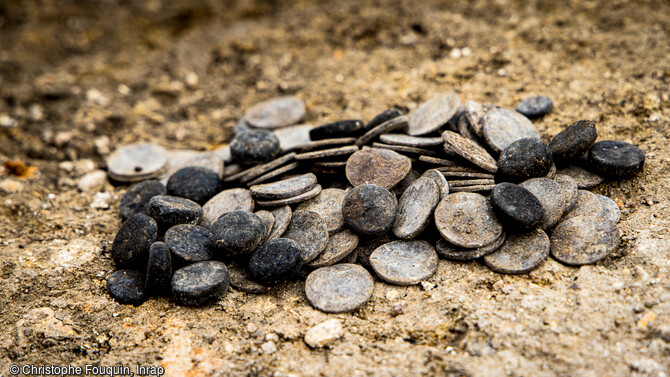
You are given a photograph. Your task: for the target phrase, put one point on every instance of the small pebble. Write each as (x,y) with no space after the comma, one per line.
(433,114)
(369,209)
(159,268)
(92,181)
(231,200)
(457,253)
(569,188)
(535,107)
(524,159)
(127,287)
(328,204)
(340,288)
(342,128)
(584,240)
(275,113)
(200,283)
(382,117)
(339,246)
(285,188)
(502,127)
(521,253)
(324,334)
(136,162)
(254,146)
(415,208)
(194,183)
(616,159)
(467,219)
(136,199)
(277,260)
(169,211)
(610,210)
(189,244)
(133,240)
(238,233)
(282,216)
(10,186)
(404,262)
(550,194)
(377,166)
(469,150)
(308,230)
(575,140)
(516,207)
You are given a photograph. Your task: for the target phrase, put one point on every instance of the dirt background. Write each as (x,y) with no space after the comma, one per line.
(78,79)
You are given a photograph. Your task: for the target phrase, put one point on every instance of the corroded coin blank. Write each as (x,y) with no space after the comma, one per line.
(433,114)
(326,153)
(235,199)
(293,137)
(240,279)
(285,188)
(587,204)
(200,283)
(308,230)
(275,113)
(386,127)
(453,252)
(251,173)
(415,207)
(328,204)
(584,240)
(569,187)
(282,216)
(610,210)
(473,188)
(292,200)
(377,166)
(502,127)
(339,246)
(137,162)
(369,209)
(274,174)
(404,262)
(185,158)
(466,219)
(469,150)
(406,150)
(340,288)
(327,144)
(520,253)
(551,196)
(410,141)
(268,220)
(439,180)
(584,178)
(475,112)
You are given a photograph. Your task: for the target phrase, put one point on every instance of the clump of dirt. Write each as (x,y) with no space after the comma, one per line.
(81,78)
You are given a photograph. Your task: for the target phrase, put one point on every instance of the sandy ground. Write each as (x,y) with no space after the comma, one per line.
(77,79)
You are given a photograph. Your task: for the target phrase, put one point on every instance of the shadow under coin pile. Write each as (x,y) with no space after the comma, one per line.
(341,202)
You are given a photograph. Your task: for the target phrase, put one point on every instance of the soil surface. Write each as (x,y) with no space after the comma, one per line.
(78,79)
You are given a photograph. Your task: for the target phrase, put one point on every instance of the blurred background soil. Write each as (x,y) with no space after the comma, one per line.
(80,78)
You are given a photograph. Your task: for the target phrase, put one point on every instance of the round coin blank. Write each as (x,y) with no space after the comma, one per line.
(453,252)
(415,207)
(339,288)
(286,188)
(339,246)
(308,230)
(584,240)
(275,113)
(433,114)
(502,127)
(520,253)
(329,205)
(404,262)
(467,220)
(550,194)
(137,162)
(231,200)
(377,166)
